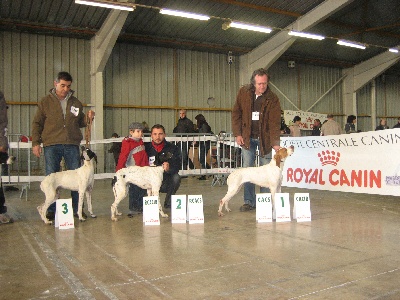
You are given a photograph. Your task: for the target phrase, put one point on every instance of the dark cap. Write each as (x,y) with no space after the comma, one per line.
(136,125)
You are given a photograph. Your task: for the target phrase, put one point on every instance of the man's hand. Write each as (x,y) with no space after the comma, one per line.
(276,148)
(239,140)
(37,150)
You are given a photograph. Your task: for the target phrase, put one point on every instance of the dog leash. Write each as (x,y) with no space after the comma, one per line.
(88,129)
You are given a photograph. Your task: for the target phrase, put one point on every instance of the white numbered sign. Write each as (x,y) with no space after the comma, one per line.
(264,208)
(178,209)
(150,210)
(64,218)
(195,209)
(282,207)
(301,207)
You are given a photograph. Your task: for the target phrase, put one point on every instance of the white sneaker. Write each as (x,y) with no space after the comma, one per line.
(4,219)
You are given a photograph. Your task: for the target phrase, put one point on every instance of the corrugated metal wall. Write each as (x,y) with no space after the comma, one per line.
(28,67)
(151,83)
(300,87)
(387,102)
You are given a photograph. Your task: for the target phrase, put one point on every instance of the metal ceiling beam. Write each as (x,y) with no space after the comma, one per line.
(268,52)
(101,47)
(260,7)
(360,75)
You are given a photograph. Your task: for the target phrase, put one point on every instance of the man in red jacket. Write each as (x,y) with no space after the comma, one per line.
(256,121)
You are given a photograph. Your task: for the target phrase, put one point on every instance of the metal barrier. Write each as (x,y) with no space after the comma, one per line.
(18,173)
(207,154)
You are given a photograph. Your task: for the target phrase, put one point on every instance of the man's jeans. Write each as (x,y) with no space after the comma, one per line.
(249,157)
(53,155)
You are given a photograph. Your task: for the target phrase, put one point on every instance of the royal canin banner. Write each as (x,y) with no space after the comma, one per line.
(365,162)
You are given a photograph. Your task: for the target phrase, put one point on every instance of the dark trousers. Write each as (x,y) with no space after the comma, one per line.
(170,185)
(184,147)
(136,195)
(3,208)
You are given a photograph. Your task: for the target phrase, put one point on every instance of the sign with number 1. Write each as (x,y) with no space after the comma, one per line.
(282,207)
(64,214)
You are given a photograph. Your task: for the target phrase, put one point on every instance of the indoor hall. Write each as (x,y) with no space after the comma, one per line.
(349,250)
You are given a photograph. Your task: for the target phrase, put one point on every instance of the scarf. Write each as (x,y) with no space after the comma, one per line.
(158,147)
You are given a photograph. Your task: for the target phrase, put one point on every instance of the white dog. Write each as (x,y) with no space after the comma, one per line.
(269,176)
(149,178)
(81,180)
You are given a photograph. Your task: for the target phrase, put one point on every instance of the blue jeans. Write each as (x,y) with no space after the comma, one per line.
(52,156)
(249,158)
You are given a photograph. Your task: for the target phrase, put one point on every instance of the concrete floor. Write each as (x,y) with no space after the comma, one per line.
(350,250)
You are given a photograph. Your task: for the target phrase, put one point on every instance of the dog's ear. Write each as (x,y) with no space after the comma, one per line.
(277,158)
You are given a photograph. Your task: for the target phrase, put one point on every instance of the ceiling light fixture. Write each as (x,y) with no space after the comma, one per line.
(306,35)
(394,50)
(183,14)
(250,27)
(351,44)
(108,4)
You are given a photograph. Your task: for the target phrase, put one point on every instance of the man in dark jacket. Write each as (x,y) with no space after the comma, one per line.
(161,152)
(256,122)
(186,126)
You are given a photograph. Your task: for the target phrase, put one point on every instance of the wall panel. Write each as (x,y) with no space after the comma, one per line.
(28,67)
(171,79)
(143,83)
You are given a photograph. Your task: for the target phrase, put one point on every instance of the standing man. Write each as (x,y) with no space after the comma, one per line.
(158,151)
(331,127)
(4,218)
(316,130)
(184,125)
(57,124)
(256,122)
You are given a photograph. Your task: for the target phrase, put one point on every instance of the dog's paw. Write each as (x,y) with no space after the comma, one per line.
(93,215)
(228,209)
(82,220)
(164,215)
(114,219)
(220,214)
(119,214)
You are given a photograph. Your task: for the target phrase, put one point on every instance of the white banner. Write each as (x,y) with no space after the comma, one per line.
(365,162)
(307,118)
